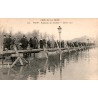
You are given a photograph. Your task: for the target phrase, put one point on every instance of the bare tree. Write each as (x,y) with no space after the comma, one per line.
(19,34)
(45,36)
(35,33)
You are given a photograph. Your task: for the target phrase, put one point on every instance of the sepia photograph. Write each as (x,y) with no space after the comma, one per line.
(48,48)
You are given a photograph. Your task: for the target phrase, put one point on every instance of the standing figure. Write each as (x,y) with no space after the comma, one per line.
(9,42)
(55,44)
(31,43)
(41,43)
(62,44)
(68,44)
(36,43)
(17,43)
(24,42)
(13,43)
(44,43)
(24,45)
(48,44)
(4,42)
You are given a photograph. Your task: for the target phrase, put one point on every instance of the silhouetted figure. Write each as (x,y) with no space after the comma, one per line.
(4,42)
(48,44)
(24,42)
(35,43)
(13,43)
(9,42)
(24,45)
(31,43)
(55,44)
(18,43)
(62,44)
(68,44)
(79,44)
(76,44)
(41,43)
(44,43)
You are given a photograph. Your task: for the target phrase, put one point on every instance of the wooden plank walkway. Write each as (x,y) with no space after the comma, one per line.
(39,50)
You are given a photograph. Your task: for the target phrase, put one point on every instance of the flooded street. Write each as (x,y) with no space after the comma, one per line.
(79,65)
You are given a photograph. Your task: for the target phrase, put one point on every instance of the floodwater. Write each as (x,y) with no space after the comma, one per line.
(79,65)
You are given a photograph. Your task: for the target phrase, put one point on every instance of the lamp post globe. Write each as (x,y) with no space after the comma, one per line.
(59,29)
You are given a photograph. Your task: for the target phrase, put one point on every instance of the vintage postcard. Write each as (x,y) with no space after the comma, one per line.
(48,48)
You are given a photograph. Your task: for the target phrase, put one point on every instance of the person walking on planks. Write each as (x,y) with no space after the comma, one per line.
(48,44)
(9,42)
(31,43)
(35,43)
(24,44)
(44,43)
(4,42)
(41,43)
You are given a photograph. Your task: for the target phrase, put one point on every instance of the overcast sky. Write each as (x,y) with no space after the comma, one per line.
(71,28)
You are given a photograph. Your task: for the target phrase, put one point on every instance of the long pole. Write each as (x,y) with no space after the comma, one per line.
(60,45)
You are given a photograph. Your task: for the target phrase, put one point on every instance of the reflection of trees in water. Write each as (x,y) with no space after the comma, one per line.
(3,74)
(53,62)
(84,54)
(60,71)
(39,67)
(32,71)
(70,57)
(75,56)
(11,73)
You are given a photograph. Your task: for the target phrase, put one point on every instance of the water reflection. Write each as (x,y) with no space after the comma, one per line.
(74,65)
(60,71)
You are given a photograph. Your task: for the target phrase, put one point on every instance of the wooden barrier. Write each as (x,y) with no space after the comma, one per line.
(20,59)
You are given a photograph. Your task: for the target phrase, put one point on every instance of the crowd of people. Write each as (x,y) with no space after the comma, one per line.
(33,43)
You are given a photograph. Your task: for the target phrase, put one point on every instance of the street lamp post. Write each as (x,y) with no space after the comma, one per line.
(59,30)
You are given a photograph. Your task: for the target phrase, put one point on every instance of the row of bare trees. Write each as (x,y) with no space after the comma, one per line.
(19,34)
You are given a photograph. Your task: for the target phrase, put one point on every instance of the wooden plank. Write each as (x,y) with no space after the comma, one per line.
(36,50)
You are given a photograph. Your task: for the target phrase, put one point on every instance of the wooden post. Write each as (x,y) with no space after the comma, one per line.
(34,55)
(8,69)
